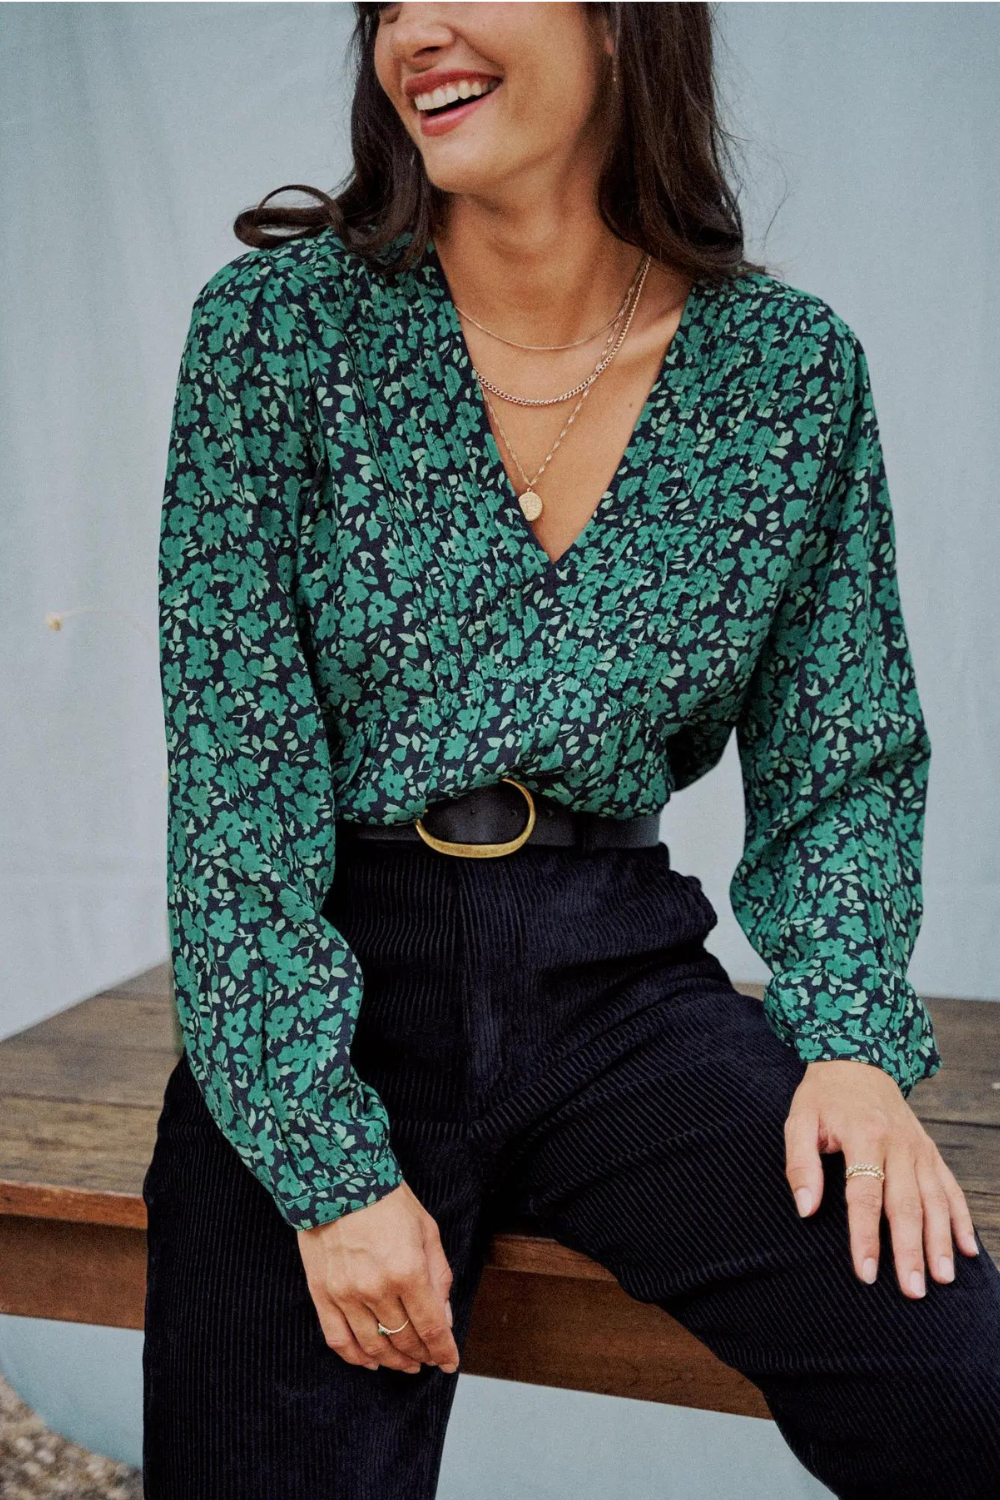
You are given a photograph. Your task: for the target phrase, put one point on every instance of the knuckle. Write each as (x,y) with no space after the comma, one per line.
(433,1333)
(375,1292)
(374,1282)
(404,1275)
(863,1196)
(906,1205)
(936,1200)
(411,1346)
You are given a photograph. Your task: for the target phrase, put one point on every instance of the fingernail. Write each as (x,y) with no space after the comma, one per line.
(447,1308)
(970,1245)
(916,1283)
(449,1369)
(869,1270)
(371,1367)
(804,1200)
(946,1268)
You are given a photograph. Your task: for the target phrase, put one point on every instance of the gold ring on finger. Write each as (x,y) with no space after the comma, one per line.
(864,1169)
(382,1328)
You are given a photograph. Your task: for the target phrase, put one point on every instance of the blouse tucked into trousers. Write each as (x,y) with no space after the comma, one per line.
(356,620)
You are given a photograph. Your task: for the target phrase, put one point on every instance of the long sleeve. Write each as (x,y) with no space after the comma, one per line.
(267,991)
(835,758)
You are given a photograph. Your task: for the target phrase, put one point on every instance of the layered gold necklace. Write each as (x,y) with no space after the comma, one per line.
(529,499)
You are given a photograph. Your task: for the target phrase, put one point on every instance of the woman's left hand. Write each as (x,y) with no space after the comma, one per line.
(855,1107)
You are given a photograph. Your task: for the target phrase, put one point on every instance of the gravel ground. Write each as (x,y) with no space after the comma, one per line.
(37,1464)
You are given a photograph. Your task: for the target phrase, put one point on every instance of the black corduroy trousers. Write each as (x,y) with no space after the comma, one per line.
(551,1039)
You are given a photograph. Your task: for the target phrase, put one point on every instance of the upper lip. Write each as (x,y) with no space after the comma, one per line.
(424,83)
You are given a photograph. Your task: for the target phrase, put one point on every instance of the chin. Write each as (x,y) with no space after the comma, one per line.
(472,175)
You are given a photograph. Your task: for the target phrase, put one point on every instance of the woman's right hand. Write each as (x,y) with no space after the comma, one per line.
(384,1263)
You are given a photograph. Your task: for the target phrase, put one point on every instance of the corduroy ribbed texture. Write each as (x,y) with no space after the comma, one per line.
(552,1039)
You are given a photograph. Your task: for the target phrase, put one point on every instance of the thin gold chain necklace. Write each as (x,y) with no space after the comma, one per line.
(602,364)
(587,337)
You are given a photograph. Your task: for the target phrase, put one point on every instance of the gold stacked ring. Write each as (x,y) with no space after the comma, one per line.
(864,1169)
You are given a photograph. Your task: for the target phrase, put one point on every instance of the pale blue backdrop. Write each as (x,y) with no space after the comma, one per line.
(131,136)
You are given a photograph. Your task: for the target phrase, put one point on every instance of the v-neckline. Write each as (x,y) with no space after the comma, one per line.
(509,515)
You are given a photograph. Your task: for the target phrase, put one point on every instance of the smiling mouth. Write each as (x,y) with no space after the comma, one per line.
(448,105)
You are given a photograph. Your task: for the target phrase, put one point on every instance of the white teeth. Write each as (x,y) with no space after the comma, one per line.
(466,88)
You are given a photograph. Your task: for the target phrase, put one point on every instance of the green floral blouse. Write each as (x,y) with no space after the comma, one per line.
(356,619)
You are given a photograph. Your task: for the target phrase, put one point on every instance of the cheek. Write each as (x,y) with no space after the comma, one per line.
(382,64)
(553,111)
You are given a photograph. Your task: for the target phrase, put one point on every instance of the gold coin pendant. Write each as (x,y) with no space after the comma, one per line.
(531,505)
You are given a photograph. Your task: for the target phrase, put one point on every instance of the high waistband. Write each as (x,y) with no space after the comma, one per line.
(498,819)
(551,943)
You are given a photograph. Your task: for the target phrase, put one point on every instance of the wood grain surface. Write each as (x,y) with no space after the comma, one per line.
(80,1095)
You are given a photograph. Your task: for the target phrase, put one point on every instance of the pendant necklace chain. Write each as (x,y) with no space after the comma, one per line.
(529,500)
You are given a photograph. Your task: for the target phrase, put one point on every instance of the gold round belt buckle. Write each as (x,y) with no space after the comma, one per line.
(483,851)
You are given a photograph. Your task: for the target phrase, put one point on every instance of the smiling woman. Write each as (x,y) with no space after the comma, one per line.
(680,205)
(502,491)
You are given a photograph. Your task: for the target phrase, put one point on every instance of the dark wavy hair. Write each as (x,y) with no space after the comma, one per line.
(662,188)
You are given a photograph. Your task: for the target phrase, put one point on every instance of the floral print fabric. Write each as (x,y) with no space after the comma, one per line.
(356,620)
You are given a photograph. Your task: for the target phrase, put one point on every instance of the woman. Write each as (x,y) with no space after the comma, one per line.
(499,493)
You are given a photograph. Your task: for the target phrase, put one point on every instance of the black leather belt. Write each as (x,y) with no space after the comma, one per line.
(497,819)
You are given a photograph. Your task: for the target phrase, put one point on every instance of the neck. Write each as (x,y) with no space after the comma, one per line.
(541,276)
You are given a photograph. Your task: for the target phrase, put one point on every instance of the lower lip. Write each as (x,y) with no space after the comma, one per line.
(441,124)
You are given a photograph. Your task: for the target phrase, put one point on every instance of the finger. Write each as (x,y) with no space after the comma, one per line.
(438,1267)
(402,1284)
(364,1326)
(937,1219)
(338,1334)
(392,1314)
(905,1211)
(961,1217)
(865,1201)
(427,1308)
(803,1166)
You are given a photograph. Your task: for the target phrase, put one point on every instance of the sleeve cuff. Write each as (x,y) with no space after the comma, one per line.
(326,1202)
(877,1018)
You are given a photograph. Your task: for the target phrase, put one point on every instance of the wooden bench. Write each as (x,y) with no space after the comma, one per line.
(80,1095)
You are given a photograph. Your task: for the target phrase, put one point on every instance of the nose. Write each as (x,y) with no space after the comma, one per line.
(419,33)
